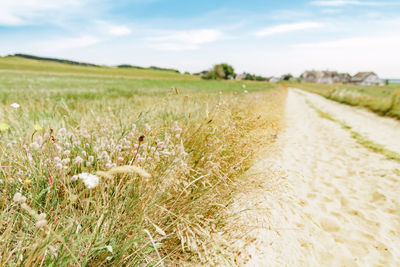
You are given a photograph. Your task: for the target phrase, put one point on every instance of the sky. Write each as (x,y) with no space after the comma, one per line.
(265,37)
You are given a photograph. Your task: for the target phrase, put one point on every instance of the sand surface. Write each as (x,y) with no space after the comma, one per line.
(321,199)
(382,130)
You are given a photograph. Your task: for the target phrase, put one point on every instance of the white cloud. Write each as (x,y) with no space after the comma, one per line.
(371,43)
(109,28)
(119,30)
(335,3)
(288,28)
(20,12)
(339,3)
(192,36)
(185,40)
(174,47)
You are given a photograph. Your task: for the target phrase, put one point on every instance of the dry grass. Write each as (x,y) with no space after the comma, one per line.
(162,169)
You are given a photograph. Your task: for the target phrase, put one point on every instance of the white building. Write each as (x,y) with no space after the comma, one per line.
(366,78)
(274,79)
(329,77)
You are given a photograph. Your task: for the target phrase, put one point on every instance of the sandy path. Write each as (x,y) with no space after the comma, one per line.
(382,130)
(330,202)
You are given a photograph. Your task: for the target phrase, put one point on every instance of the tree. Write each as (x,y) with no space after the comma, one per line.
(287,77)
(229,71)
(220,72)
(253,77)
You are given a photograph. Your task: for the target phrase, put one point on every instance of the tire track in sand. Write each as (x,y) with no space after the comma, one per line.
(323,200)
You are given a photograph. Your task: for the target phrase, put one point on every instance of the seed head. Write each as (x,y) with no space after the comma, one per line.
(19,198)
(141,138)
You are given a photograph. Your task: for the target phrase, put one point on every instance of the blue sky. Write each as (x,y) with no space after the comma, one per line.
(263,37)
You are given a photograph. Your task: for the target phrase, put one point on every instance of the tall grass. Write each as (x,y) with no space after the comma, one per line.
(384,100)
(162,166)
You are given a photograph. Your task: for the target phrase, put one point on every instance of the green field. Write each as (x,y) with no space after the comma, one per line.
(384,100)
(165,152)
(18,65)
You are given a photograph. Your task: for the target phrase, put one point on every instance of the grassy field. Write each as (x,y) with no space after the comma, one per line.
(18,65)
(384,100)
(102,166)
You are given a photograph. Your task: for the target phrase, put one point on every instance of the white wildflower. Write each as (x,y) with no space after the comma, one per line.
(59,148)
(78,160)
(41,220)
(62,131)
(59,166)
(57,159)
(245,91)
(109,248)
(66,161)
(41,216)
(90,159)
(243,86)
(35,146)
(109,165)
(74,178)
(41,223)
(104,156)
(181,150)
(147,128)
(84,153)
(39,139)
(120,159)
(15,105)
(67,153)
(183,164)
(176,129)
(90,180)
(165,152)
(19,198)
(53,251)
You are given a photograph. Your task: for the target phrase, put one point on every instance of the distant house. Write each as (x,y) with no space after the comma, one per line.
(241,76)
(274,79)
(366,78)
(329,77)
(345,77)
